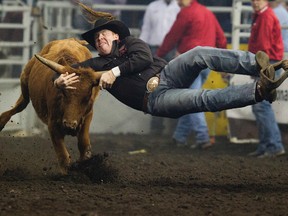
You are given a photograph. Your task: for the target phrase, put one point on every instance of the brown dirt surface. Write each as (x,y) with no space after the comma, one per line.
(163,181)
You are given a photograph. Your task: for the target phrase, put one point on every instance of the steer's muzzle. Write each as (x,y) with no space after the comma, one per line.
(70,127)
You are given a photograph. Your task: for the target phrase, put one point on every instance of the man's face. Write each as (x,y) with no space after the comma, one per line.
(184,3)
(258,4)
(104,41)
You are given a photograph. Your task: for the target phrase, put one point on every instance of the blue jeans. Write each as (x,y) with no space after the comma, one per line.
(195,122)
(173,97)
(270,140)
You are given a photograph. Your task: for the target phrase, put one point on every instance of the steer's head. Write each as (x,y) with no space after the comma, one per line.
(75,105)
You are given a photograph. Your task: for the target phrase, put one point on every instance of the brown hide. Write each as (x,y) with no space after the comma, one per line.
(49,102)
(66,112)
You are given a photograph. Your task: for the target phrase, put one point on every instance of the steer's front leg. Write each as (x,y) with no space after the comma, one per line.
(84,145)
(62,153)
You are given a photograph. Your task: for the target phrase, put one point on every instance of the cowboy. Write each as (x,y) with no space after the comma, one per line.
(150,84)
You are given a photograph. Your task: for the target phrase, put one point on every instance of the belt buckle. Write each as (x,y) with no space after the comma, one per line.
(152,84)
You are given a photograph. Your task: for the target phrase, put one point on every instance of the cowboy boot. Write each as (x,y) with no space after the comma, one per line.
(267,84)
(264,84)
(262,60)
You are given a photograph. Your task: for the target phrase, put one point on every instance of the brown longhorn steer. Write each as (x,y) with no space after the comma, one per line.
(65,112)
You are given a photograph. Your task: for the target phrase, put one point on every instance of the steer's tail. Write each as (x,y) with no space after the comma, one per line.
(20,105)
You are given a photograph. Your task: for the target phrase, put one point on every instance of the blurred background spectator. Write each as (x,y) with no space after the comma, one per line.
(282,15)
(266,36)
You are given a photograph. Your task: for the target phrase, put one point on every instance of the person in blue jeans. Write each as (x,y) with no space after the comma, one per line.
(266,36)
(270,140)
(194,122)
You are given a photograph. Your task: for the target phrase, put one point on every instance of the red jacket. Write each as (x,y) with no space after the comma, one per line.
(195,25)
(266,35)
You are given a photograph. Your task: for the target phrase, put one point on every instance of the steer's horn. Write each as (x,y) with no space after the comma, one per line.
(53,65)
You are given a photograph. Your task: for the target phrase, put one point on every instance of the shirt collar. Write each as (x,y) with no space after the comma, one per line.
(262,10)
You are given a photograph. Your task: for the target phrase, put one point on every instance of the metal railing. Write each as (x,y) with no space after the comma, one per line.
(24,44)
(58,18)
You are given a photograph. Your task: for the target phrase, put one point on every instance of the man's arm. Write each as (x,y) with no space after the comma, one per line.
(174,35)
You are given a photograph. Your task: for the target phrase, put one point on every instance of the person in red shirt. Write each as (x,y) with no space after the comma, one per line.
(266,36)
(195,25)
(266,31)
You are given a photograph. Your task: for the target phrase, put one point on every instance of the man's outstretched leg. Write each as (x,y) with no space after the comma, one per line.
(173,98)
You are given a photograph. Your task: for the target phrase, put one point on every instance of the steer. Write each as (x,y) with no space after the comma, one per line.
(65,112)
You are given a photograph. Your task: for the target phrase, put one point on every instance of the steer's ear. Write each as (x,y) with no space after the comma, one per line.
(53,65)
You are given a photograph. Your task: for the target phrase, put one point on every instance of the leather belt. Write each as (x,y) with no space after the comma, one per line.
(151,85)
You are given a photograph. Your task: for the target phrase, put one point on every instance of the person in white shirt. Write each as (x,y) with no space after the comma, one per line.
(158,18)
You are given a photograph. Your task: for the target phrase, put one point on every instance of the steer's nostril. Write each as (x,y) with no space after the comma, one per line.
(70,124)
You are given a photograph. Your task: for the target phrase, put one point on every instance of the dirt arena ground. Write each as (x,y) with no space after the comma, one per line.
(163,181)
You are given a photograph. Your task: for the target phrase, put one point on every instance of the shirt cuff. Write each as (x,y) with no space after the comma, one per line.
(116,71)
